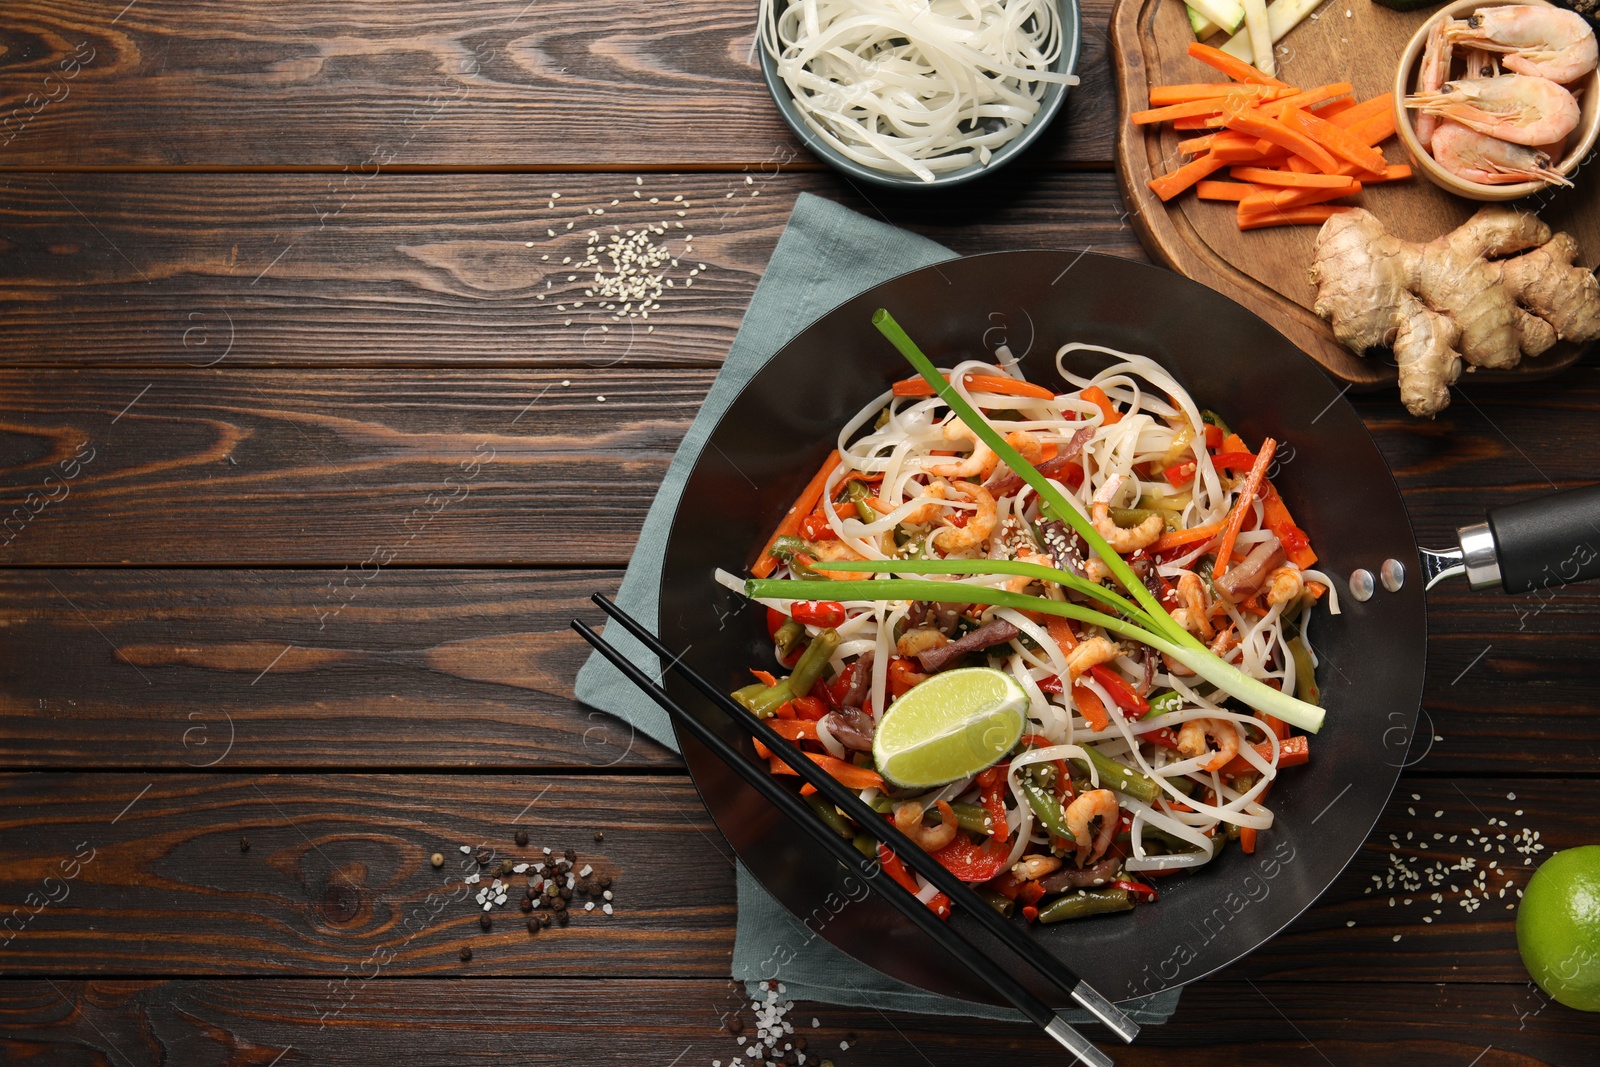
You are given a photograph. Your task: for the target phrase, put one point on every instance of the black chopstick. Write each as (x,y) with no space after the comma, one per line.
(960,894)
(869,869)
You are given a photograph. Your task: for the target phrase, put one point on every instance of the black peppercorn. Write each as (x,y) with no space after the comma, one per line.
(544,918)
(484,856)
(599,835)
(466,953)
(559,904)
(244,844)
(571,856)
(522,838)
(561,918)
(534,925)
(736,1025)
(526,905)
(485,922)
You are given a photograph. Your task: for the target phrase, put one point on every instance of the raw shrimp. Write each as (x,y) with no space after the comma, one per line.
(1513,107)
(1477,157)
(1095,804)
(1435,71)
(979,525)
(979,463)
(1543,41)
(908,820)
(1192,738)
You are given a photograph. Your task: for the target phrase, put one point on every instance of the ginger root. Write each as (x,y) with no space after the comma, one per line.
(1453,298)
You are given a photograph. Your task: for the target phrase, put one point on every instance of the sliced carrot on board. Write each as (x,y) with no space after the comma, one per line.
(1249,120)
(1284,199)
(1224,190)
(1338,141)
(1318,95)
(1200,122)
(1237,69)
(1193,146)
(1382,104)
(1374,130)
(1202,107)
(1290,179)
(1300,216)
(1330,108)
(1164,95)
(1170,185)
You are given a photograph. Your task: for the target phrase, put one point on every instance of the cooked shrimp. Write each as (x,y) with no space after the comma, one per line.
(920,639)
(1020,582)
(837,552)
(1122,541)
(980,524)
(1513,107)
(908,820)
(1095,569)
(1192,616)
(1226,642)
(1085,808)
(1194,735)
(1284,584)
(1544,42)
(933,492)
(1033,868)
(1092,653)
(1477,157)
(979,463)
(1028,444)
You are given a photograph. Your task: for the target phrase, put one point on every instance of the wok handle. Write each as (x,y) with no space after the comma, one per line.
(1549,541)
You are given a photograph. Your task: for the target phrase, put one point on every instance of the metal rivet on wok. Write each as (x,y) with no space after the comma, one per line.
(1392,574)
(1361,584)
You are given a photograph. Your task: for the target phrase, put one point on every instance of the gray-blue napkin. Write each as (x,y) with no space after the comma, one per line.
(827,255)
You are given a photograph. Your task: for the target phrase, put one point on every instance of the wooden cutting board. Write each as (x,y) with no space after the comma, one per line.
(1265,270)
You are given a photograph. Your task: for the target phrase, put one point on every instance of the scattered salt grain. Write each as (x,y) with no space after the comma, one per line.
(466,849)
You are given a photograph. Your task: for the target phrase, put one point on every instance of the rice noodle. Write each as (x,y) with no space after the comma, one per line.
(915,87)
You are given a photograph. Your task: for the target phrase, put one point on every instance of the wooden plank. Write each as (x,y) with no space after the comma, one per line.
(1219,1023)
(494,84)
(366,667)
(374,667)
(146,877)
(253,269)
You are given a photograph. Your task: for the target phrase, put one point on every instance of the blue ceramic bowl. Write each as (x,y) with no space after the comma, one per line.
(1055,95)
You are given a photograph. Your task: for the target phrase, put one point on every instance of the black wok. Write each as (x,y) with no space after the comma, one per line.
(775,435)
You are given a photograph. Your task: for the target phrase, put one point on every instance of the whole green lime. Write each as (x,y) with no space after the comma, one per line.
(1558,927)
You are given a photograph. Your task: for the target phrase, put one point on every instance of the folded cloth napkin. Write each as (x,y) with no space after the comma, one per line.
(827,255)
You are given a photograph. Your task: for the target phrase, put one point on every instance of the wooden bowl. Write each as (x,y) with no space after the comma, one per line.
(1580,142)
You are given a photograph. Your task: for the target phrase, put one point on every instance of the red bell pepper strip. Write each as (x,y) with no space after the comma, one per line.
(1138,890)
(975,863)
(824,613)
(1090,707)
(1233,461)
(1031,892)
(1121,692)
(1296,545)
(939,904)
(1292,752)
(809,708)
(1179,474)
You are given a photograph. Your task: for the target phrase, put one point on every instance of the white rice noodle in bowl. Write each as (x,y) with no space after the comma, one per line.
(915,87)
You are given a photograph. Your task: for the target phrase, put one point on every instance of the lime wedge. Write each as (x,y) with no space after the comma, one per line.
(951,726)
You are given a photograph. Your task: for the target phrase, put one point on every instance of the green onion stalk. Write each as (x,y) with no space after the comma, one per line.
(1143,619)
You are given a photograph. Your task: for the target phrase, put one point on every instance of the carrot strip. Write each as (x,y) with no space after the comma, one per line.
(792,519)
(1198,122)
(1061,632)
(1170,185)
(1295,216)
(1267,176)
(1201,107)
(1249,120)
(1275,516)
(1318,95)
(1247,838)
(1292,752)
(1247,493)
(1374,130)
(1329,108)
(1382,104)
(794,729)
(848,774)
(1180,538)
(1340,142)
(1193,146)
(1223,190)
(1165,95)
(977,383)
(1288,199)
(1097,396)
(1091,707)
(1237,69)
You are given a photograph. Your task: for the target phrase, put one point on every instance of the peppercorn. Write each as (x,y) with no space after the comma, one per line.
(506,868)
(599,835)
(484,856)
(735,1025)
(437,859)
(526,904)
(466,953)
(562,918)
(800,1043)
(605,881)
(564,893)
(521,838)
(544,918)
(571,856)
(534,925)
(559,904)
(244,844)
(485,922)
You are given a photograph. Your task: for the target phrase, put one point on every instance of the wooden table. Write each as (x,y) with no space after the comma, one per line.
(271,278)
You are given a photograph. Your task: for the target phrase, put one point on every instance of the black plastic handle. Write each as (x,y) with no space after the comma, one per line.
(1550,541)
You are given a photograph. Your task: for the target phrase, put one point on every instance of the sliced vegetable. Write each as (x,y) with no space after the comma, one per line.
(1282,16)
(1233,67)
(1086,902)
(977,383)
(802,507)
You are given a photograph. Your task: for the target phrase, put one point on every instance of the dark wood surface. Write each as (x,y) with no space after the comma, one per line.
(265,285)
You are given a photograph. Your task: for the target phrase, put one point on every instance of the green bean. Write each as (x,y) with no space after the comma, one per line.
(747,695)
(1128,518)
(1085,903)
(881,804)
(1046,808)
(765,704)
(1162,703)
(830,815)
(972,818)
(1305,675)
(867,845)
(815,658)
(858,494)
(1003,904)
(789,549)
(1114,775)
(788,638)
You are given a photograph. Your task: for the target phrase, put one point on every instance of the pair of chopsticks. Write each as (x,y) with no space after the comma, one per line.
(959,893)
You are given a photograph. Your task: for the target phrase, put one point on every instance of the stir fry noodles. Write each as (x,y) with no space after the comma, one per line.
(1132,761)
